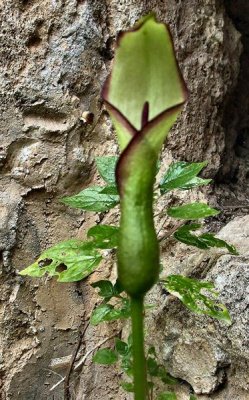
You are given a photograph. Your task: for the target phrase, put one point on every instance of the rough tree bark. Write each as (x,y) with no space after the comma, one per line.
(55,55)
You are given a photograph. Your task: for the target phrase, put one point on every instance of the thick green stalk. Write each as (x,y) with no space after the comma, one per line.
(139,362)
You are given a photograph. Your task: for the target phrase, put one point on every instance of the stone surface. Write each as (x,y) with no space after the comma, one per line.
(55,55)
(210,355)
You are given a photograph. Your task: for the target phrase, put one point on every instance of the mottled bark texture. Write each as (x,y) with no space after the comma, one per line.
(55,55)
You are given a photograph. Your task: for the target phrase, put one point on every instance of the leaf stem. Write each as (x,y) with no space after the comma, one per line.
(139,362)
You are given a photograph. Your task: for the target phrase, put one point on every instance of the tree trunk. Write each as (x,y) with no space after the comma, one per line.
(55,56)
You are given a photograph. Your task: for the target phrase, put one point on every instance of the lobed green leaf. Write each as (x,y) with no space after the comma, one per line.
(105,356)
(192,211)
(182,175)
(189,291)
(70,261)
(92,199)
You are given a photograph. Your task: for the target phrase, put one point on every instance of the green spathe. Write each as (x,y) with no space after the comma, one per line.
(144,94)
(145,70)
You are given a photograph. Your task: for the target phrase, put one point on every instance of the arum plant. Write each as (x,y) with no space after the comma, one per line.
(144,94)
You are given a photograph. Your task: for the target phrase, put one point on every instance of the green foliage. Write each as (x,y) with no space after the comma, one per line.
(192,211)
(111,190)
(167,396)
(152,366)
(204,241)
(106,289)
(123,352)
(104,236)
(98,198)
(192,397)
(92,199)
(105,356)
(121,347)
(182,175)
(108,312)
(127,386)
(144,94)
(70,261)
(212,241)
(165,376)
(106,168)
(157,370)
(195,182)
(189,291)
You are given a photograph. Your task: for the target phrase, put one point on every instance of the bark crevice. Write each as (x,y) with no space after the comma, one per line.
(235,166)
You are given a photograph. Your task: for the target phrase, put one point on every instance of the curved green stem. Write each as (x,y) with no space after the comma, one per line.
(139,361)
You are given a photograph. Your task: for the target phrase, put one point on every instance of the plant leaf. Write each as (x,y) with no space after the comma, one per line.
(113,190)
(189,291)
(192,211)
(107,312)
(182,175)
(104,236)
(192,397)
(204,241)
(106,168)
(105,356)
(121,347)
(152,366)
(92,199)
(195,182)
(127,365)
(183,235)
(165,376)
(101,313)
(70,261)
(152,351)
(127,386)
(167,396)
(212,241)
(106,289)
